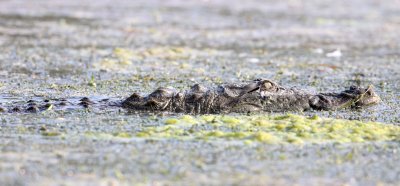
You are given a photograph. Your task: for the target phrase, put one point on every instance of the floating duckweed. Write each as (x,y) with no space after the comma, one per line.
(111,64)
(336,127)
(314,117)
(265,137)
(284,129)
(262,122)
(248,142)
(236,135)
(295,140)
(143,134)
(299,127)
(98,135)
(122,135)
(216,133)
(356,139)
(305,135)
(208,118)
(171,121)
(280,127)
(188,119)
(282,157)
(123,54)
(229,120)
(50,134)
(282,117)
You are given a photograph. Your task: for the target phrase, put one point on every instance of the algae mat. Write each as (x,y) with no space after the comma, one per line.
(270,129)
(273,129)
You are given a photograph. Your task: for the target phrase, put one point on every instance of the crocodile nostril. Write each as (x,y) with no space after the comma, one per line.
(33,109)
(85,102)
(16,109)
(30,101)
(32,104)
(85,99)
(62,103)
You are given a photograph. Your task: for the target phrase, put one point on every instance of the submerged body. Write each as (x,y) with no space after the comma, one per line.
(259,95)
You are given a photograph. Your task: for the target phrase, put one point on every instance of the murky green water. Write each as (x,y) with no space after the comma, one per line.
(72,49)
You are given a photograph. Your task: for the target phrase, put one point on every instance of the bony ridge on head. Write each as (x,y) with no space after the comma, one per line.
(368,97)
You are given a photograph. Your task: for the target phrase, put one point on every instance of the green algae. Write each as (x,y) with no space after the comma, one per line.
(282,129)
(107,136)
(171,121)
(289,128)
(120,58)
(92,82)
(51,133)
(122,135)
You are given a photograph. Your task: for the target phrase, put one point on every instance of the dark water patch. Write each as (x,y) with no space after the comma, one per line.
(44,18)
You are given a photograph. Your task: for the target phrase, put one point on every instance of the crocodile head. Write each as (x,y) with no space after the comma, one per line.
(362,96)
(354,97)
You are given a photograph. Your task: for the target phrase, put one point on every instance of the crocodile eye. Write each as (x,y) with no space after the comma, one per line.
(353,87)
(266,86)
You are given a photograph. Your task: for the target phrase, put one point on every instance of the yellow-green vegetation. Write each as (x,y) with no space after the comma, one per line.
(92,82)
(121,58)
(50,133)
(107,136)
(269,129)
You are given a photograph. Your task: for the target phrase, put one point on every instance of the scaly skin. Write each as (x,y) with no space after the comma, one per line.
(260,95)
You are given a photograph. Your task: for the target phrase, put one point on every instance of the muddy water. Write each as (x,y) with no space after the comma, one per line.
(74,49)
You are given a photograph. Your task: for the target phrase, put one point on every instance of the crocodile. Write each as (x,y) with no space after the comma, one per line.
(260,95)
